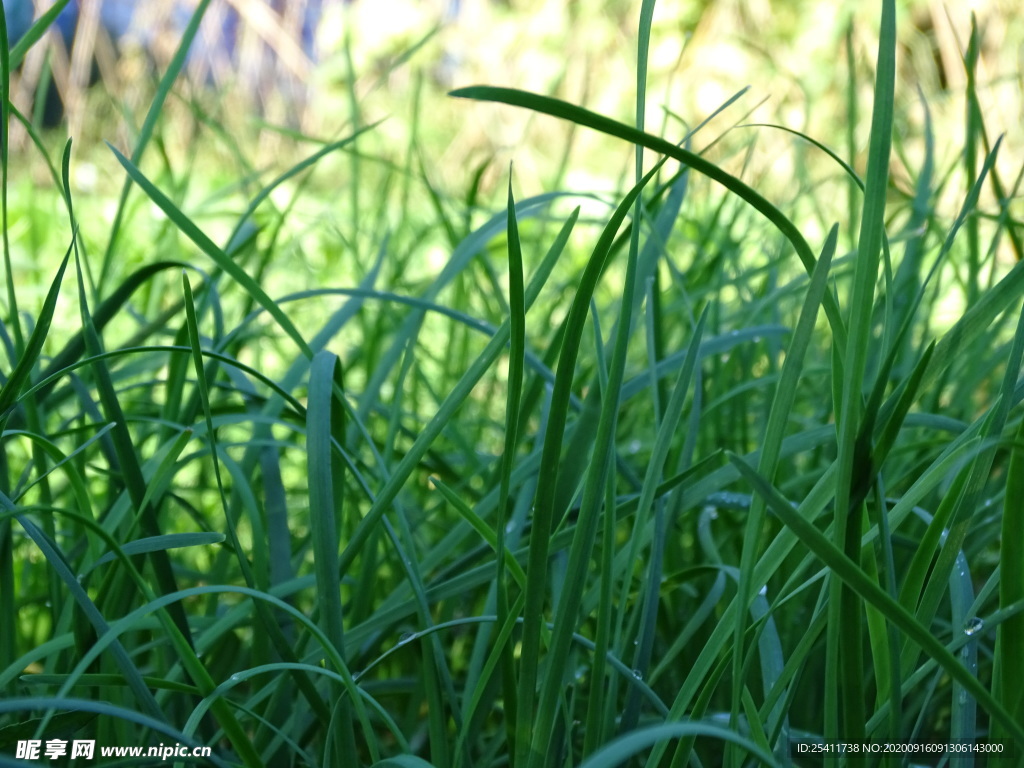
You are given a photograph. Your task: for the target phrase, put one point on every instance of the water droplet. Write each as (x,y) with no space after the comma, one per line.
(510,526)
(973,626)
(763,590)
(963,696)
(757,339)
(405,638)
(634,446)
(734,333)
(638,674)
(730,500)
(988,502)
(636,642)
(581,673)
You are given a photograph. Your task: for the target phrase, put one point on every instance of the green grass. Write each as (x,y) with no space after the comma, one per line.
(369,472)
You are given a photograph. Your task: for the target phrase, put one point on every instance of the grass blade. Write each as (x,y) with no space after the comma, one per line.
(20,375)
(857,580)
(532,739)
(845,619)
(1010,642)
(588,119)
(325,424)
(513,404)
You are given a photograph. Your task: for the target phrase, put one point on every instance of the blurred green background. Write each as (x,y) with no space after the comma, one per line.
(393,61)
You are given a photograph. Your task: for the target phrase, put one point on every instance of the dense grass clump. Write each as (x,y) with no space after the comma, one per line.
(362,472)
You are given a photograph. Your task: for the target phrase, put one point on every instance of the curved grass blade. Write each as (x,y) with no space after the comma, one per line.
(166,541)
(622,749)
(847,168)
(563,110)
(245,219)
(104,313)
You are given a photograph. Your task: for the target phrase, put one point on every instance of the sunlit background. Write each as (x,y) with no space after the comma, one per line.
(268,81)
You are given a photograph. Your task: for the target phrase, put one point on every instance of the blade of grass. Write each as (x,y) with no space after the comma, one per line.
(1010,642)
(963,707)
(655,469)
(30,356)
(972,118)
(325,423)
(844,654)
(856,579)
(513,403)
(619,751)
(33,35)
(167,541)
(768,462)
(651,589)
(586,118)
(532,739)
(5,151)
